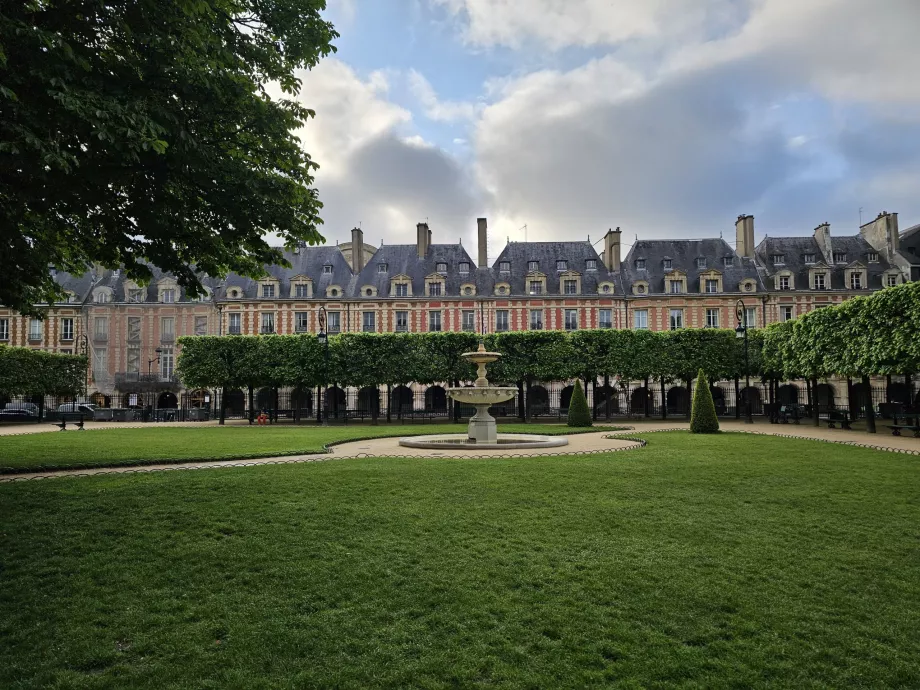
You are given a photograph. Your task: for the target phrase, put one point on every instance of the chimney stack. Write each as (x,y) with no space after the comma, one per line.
(357,250)
(744,236)
(424,239)
(482,227)
(823,238)
(612,250)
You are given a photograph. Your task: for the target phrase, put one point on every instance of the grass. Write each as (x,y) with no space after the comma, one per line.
(153,444)
(698,561)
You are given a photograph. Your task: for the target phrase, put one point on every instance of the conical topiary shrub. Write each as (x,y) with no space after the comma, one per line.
(703,419)
(579,415)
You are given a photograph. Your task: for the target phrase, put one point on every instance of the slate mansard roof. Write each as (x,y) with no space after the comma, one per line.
(795,249)
(519,255)
(683,255)
(403,260)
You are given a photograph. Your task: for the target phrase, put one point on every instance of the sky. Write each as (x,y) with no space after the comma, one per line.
(559,119)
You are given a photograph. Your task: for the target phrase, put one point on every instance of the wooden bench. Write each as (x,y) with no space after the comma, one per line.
(787,412)
(838,416)
(897,428)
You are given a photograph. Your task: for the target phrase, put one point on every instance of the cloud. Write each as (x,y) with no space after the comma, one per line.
(375,169)
(435,109)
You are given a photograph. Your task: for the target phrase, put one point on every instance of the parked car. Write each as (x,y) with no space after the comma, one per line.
(76,408)
(19,412)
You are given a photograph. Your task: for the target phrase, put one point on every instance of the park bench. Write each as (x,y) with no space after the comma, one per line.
(75,418)
(840,416)
(911,419)
(896,429)
(793,412)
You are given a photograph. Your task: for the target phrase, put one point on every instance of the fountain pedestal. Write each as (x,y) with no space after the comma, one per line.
(482,428)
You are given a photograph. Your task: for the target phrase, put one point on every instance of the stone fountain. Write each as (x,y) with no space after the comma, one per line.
(482,432)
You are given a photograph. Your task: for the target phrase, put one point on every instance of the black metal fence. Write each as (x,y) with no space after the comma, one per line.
(538,401)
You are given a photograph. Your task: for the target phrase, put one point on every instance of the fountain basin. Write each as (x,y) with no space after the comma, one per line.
(482,396)
(503,441)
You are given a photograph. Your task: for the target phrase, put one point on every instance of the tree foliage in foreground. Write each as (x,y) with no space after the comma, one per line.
(24,371)
(144,131)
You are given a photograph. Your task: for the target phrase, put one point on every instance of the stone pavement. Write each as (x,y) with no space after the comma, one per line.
(598,442)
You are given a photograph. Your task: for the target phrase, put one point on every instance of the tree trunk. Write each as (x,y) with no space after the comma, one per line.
(527,412)
(851,411)
(607,392)
(689,397)
(664,402)
(817,405)
(223,405)
(319,400)
(870,410)
(648,399)
(250,405)
(737,398)
(389,402)
(522,413)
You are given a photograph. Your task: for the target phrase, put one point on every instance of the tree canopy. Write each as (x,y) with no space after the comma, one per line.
(24,371)
(136,132)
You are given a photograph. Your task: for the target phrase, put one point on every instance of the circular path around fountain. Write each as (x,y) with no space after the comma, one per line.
(461,442)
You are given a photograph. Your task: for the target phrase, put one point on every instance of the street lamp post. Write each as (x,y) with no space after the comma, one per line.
(742,332)
(150,362)
(323,339)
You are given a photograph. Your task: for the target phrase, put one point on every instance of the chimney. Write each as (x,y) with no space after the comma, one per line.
(424,239)
(357,249)
(482,226)
(882,234)
(744,236)
(823,238)
(612,250)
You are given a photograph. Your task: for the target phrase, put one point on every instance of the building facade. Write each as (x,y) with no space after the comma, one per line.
(130,331)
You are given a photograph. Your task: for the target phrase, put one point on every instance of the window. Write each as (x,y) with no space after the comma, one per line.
(167,363)
(784,282)
(820,281)
(464,267)
(369,292)
(381,268)
(100,328)
(100,360)
(856,281)
(872,257)
(640,318)
(434,321)
(536,287)
(536,319)
(201,325)
(640,289)
(677,319)
(504,266)
(434,289)
(605,289)
(571,319)
(667,264)
(502,290)
(233,294)
(4,329)
(712,285)
(469,320)
(268,322)
(66,329)
(168,296)
(570,287)
(750,317)
(809,258)
(468,290)
(701,262)
(591,265)
(234,327)
(134,360)
(533,265)
(603,319)
(712,318)
(66,351)
(785,313)
(402,321)
(441,267)
(368,322)
(268,290)
(728,261)
(301,321)
(402,289)
(779,258)
(891,280)
(334,292)
(327,269)
(840,257)
(333,322)
(102,298)
(640,264)
(501,320)
(301,290)
(35,329)
(136,295)
(562,265)
(167,329)
(676,286)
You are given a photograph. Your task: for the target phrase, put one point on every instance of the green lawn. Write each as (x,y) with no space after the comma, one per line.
(719,561)
(177,444)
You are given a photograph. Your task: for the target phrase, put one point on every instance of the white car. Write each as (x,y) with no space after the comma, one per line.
(77,408)
(19,411)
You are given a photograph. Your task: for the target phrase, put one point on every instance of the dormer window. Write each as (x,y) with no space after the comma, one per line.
(441,267)
(562,265)
(666,264)
(809,258)
(779,258)
(840,257)
(640,264)
(591,265)
(533,265)
(268,290)
(434,289)
(701,262)
(101,298)
(872,257)
(402,289)
(381,268)
(504,266)
(728,261)
(464,267)
(233,293)
(327,269)
(136,295)
(301,290)
(168,296)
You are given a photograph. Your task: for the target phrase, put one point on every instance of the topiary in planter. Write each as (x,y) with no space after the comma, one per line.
(579,415)
(703,419)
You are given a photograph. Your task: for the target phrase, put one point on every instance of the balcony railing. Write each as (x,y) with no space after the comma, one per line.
(136,381)
(234,330)
(167,337)
(101,337)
